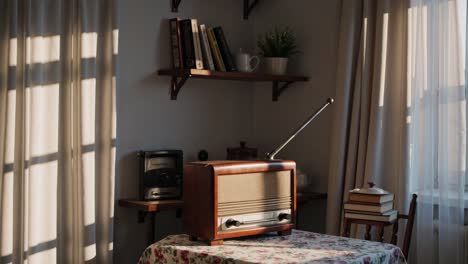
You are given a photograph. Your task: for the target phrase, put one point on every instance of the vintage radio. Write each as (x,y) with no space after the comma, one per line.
(227,199)
(160,174)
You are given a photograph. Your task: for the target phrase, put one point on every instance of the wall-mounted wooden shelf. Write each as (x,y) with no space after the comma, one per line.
(248,6)
(180,76)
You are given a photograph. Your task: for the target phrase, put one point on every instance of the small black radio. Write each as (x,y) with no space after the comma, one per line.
(160,174)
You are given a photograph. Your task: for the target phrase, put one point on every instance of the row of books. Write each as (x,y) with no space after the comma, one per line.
(373,207)
(196,46)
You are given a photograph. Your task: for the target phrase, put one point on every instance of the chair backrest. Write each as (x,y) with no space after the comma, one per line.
(409,226)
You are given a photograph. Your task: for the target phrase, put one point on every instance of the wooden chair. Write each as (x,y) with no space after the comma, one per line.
(409,227)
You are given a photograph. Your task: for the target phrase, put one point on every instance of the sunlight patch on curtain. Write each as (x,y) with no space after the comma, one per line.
(42,49)
(88,107)
(7,214)
(383,66)
(89,45)
(88,162)
(45,256)
(90,252)
(42,120)
(42,202)
(13,46)
(115,41)
(10,127)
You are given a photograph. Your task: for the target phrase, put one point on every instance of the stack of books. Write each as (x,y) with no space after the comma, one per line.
(196,46)
(370,205)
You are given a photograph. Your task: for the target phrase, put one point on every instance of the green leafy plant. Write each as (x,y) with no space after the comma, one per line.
(278,43)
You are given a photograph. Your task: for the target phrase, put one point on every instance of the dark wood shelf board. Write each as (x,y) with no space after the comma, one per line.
(154,206)
(180,76)
(151,206)
(234,76)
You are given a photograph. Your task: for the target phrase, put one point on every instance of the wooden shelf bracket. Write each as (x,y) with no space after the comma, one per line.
(248,6)
(176,85)
(279,89)
(175,5)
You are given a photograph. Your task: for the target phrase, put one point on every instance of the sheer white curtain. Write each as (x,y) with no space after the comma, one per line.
(437,126)
(57,129)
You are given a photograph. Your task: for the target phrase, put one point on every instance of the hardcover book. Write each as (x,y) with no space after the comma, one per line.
(386,217)
(197,45)
(206,51)
(361,212)
(188,51)
(224,49)
(218,59)
(370,198)
(175,43)
(385,207)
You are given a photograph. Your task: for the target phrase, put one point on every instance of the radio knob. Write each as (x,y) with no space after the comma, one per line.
(284,216)
(232,222)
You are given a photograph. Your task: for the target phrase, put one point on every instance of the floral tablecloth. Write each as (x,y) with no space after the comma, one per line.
(299,247)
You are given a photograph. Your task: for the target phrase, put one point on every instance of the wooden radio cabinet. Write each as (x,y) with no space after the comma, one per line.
(228,199)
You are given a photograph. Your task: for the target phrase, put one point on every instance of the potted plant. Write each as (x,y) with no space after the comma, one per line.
(277,46)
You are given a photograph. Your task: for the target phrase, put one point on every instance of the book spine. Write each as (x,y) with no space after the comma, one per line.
(196,44)
(385,207)
(380,218)
(176,43)
(361,212)
(364,198)
(188,53)
(224,49)
(370,204)
(363,208)
(208,58)
(215,51)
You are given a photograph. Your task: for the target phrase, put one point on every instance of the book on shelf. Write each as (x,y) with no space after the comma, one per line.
(385,217)
(224,49)
(369,207)
(175,43)
(188,50)
(218,59)
(370,198)
(197,45)
(206,50)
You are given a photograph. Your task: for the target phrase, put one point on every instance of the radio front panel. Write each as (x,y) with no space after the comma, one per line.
(228,199)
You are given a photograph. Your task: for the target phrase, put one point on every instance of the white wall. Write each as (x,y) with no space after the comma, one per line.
(209,115)
(214,115)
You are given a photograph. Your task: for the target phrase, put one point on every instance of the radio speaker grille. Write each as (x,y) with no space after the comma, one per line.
(254,192)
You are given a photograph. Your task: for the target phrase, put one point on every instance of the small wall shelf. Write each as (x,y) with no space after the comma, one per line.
(248,6)
(180,76)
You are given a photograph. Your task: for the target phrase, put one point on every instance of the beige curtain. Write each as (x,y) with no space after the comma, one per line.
(368,142)
(57,130)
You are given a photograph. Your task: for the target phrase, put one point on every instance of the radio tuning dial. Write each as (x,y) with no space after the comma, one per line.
(232,222)
(284,216)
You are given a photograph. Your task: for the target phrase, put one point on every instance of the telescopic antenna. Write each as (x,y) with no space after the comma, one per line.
(272,155)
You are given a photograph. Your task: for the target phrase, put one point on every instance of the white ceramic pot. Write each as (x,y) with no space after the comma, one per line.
(276,65)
